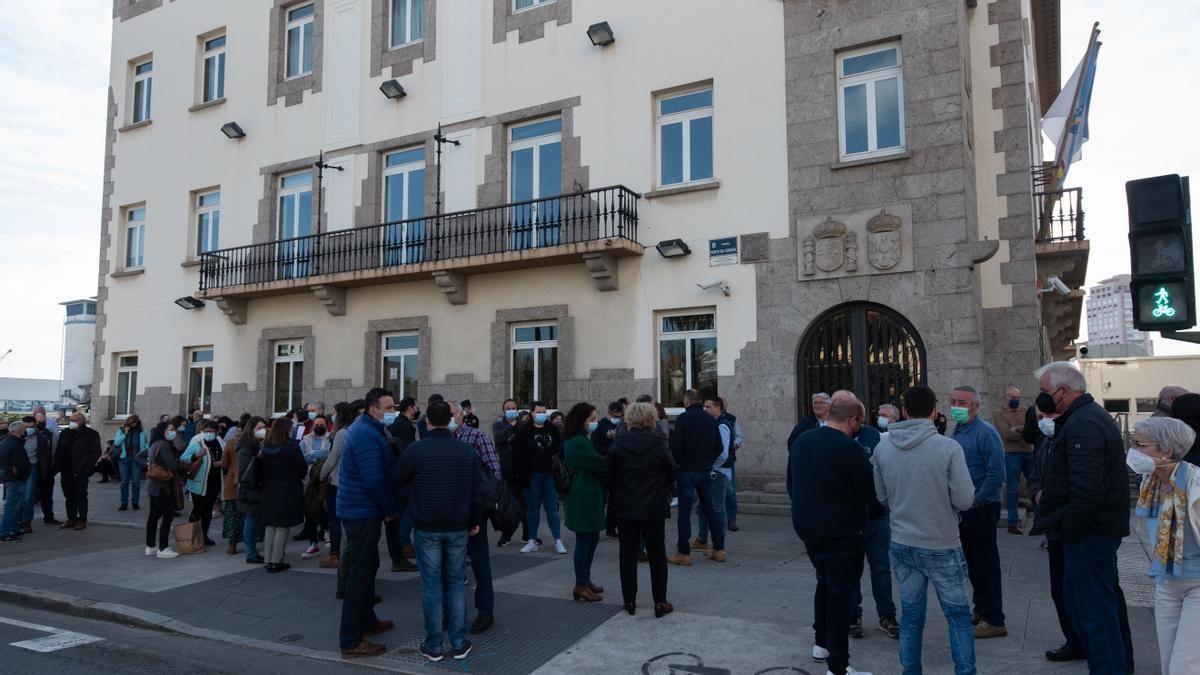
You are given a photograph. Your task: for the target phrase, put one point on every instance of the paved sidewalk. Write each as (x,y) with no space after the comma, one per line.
(750,615)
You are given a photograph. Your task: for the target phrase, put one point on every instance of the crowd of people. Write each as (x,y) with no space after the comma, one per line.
(914,499)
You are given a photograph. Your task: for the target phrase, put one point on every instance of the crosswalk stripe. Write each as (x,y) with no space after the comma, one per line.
(58,640)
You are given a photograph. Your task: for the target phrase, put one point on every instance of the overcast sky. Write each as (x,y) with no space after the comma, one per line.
(54,73)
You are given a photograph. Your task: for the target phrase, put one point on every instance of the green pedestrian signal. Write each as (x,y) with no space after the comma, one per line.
(1162,304)
(1160,253)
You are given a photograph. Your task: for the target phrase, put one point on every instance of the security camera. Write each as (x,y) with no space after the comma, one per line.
(715,283)
(1058,286)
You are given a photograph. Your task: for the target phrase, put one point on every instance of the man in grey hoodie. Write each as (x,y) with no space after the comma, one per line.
(921,477)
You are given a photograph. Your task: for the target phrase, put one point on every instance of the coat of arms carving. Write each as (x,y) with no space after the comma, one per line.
(883,240)
(829,245)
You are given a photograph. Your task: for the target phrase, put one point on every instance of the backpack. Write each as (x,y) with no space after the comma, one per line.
(499,504)
(20,463)
(562,477)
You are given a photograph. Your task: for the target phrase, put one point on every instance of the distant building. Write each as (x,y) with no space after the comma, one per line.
(79,332)
(1110,321)
(21,394)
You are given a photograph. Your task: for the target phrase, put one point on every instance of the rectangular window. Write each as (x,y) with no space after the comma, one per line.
(400,372)
(1147,405)
(535,364)
(299,41)
(404,206)
(685,138)
(295,223)
(214,69)
(408,18)
(208,221)
(289,375)
(687,357)
(535,175)
(870,102)
(1116,405)
(127,365)
(143,81)
(519,5)
(135,238)
(200,379)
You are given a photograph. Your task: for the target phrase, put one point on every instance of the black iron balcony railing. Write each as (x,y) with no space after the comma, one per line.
(1059,212)
(591,215)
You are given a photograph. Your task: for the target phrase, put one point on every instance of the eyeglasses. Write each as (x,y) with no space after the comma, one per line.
(1145,444)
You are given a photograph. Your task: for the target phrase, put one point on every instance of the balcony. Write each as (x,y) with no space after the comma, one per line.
(594,227)
(1061,251)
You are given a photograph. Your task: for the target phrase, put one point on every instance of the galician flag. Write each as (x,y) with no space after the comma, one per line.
(1066,122)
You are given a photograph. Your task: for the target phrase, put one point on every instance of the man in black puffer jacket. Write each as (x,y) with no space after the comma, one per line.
(695,445)
(1085,500)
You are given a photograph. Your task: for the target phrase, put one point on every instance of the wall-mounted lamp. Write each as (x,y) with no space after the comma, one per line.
(188,302)
(233,131)
(673,248)
(601,34)
(393,90)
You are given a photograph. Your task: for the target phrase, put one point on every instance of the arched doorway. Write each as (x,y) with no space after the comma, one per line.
(864,347)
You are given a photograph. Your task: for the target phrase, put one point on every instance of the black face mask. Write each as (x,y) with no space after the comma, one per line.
(1045,403)
(41,426)
(320,431)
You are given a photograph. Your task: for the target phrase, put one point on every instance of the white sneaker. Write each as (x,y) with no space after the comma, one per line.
(530,546)
(311,551)
(851,671)
(167,552)
(820,653)
(674,501)
(558,547)
(151,551)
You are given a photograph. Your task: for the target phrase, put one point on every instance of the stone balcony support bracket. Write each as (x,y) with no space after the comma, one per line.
(333,297)
(453,285)
(603,269)
(234,308)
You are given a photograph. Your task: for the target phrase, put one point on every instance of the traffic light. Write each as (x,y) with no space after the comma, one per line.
(1160,253)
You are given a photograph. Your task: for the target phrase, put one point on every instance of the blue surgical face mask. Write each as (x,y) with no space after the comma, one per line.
(389,417)
(210,436)
(592,426)
(541,418)
(511,415)
(29,431)
(312,415)
(1014,403)
(170,435)
(882,422)
(453,425)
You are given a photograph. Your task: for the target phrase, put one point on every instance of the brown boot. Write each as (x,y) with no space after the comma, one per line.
(985,630)
(26,528)
(363,648)
(585,594)
(81,525)
(594,588)
(717,556)
(330,563)
(698,545)
(69,525)
(681,559)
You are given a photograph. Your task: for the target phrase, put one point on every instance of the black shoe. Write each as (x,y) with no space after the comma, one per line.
(1067,652)
(124,507)
(272,568)
(136,507)
(482,623)
(209,542)
(856,629)
(612,534)
(432,656)
(377,600)
(51,521)
(732,527)
(539,541)
(11,538)
(282,567)
(256,560)
(503,541)
(404,565)
(461,652)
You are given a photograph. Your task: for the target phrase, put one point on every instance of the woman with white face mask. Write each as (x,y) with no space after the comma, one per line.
(249,501)
(1169,500)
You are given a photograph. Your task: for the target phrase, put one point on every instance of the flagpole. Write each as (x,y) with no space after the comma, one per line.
(1055,180)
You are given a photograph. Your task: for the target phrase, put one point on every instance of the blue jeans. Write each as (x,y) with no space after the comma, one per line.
(731,496)
(481,567)
(360,556)
(398,532)
(14,493)
(30,496)
(442,558)
(691,484)
(542,493)
(720,485)
(131,473)
(585,551)
(1090,594)
(251,531)
(1016,463)
(335,525)
(946,569)
(879,534)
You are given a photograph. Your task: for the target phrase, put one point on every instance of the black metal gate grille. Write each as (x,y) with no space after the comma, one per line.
(863,347)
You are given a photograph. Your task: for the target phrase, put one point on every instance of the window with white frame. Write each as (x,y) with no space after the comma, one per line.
(214,69)
(208,221)
(687,356)
(135,237)
(534,174)
(295,223)
(535,364)
(408,19)
(200,379)
(299,47)
(519,5)
(404,206)
(870,102)
(400,372)
(288,377)
(143,81)
(127,367)
(685,138)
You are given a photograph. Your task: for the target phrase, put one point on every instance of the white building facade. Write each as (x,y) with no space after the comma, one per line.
(1110,317)
(837,201)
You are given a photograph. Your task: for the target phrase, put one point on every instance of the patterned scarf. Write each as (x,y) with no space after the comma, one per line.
(1171,510)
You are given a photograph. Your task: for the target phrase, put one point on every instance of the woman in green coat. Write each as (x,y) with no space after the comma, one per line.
(585,499)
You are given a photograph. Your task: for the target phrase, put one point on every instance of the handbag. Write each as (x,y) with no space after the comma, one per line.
(250,483)
(189,538)
(562,477)
(158,472)
(194,468)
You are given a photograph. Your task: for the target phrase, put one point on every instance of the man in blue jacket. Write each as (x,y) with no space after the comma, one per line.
(984,452)
(695,445)
(443,477)
(364,500)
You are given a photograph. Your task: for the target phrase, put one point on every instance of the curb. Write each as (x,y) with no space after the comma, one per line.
(132,616)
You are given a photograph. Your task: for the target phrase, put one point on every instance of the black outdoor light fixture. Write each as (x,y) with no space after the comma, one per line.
(601,34)
(188,302)
(233,131)
(673,248)
(393,90)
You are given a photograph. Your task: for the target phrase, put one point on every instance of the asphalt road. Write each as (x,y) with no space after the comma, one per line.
(77,645)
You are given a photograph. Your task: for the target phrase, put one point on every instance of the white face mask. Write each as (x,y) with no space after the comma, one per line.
(260,434)
(1046,426)
(882,422)
(1139,462)
(73,425)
